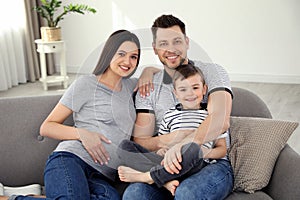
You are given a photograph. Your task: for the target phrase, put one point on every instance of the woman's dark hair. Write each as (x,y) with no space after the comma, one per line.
(111,46)
(166,21)
(185,71)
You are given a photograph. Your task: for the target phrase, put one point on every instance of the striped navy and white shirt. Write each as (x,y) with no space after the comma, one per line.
(178,119)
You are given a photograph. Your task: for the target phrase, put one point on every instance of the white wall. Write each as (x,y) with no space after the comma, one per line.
(255,40)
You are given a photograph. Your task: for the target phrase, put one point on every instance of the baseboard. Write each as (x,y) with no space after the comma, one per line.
(288,79)
(74,70)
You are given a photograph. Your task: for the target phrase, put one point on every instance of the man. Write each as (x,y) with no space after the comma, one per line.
(215,181)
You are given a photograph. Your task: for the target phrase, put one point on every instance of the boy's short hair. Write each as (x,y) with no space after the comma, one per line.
(185,71)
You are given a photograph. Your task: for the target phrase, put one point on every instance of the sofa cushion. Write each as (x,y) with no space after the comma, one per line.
(259,195)
(255,146)
(20,121)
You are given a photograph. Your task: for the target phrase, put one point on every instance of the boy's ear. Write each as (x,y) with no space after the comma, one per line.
(175,93)
(204,89)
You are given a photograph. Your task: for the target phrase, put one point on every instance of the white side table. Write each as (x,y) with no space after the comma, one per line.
(52,47)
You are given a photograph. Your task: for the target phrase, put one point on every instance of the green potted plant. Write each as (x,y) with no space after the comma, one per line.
(53,12)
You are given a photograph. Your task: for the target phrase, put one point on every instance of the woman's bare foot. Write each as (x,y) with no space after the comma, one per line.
(128,174)
(171,186)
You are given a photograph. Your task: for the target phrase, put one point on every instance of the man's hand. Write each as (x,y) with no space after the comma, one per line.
(172,159)
(92,142)
(173,156)
(162,151)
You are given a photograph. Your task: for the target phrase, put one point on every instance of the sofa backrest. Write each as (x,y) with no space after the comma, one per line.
(247,104)
(23,151)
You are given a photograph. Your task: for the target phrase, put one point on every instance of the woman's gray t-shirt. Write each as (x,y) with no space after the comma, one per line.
(99,109)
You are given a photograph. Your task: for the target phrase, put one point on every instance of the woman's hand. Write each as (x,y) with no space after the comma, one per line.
(145,83)
(92,142)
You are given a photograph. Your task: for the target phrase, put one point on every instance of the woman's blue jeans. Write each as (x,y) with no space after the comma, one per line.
(69,177)
(214,181)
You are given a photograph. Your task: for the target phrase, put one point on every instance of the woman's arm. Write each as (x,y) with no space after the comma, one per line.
(53,127)
(145,82)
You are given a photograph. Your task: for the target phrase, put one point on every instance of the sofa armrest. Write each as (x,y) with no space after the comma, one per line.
(285,180)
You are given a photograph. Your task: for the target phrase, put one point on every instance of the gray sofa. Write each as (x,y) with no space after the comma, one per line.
(24,151)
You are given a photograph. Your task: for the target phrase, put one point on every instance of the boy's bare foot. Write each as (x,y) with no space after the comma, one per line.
(171,186)
(128,174)
(3,198)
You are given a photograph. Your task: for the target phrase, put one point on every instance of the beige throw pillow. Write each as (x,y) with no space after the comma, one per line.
(255,146)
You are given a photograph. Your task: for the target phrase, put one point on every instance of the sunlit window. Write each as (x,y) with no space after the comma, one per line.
(12,14)
(12,60)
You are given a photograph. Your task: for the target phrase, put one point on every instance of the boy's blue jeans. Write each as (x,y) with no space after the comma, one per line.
(69,177)
(137,157)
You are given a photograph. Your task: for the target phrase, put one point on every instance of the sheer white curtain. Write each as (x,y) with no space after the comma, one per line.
(12,44)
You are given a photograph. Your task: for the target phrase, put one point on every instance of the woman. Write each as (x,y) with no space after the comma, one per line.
(83,166)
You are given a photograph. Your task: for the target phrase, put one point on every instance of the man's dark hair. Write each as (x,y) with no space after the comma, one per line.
(166,21)
(185,71)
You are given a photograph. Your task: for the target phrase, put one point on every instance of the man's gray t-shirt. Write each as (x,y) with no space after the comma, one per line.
(162,98)
(99,109)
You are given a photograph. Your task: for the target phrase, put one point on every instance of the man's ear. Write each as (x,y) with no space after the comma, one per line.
(187,40)
(154,48)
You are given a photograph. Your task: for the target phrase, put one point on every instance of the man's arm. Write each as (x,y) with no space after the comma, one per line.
(218,119)
(144,131)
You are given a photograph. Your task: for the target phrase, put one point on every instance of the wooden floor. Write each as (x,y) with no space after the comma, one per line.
(282,99)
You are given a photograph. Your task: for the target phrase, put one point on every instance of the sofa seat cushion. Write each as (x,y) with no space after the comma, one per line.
(259,195)
(255,146)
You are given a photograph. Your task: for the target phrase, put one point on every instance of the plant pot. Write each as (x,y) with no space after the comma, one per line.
(50,33)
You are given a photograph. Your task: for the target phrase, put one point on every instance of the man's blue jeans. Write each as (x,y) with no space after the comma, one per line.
(69,177)
(214,181)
